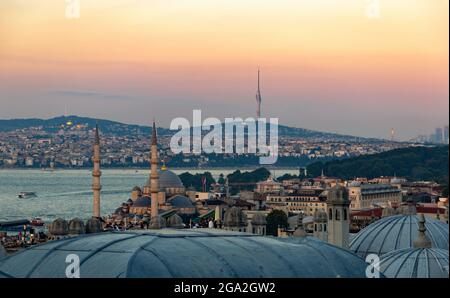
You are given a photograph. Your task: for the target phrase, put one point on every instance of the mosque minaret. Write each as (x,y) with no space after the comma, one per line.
(96,173)
(154,181)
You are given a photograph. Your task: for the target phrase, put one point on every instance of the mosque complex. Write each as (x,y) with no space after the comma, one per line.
(156,243)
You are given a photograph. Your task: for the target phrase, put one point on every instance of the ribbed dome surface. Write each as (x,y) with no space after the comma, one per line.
(415,263)
(397,232)
(183,254)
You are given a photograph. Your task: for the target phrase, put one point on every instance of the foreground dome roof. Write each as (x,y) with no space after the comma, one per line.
(183,254)
(397,232)
(415,263)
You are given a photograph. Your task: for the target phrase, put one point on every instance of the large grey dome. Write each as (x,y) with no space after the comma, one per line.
(183,254)
(179,201)
(415,263)
(168,180)
(341,258)
(397,232)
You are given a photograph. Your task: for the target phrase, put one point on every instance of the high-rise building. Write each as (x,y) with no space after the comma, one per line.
(438,136)
(446,134)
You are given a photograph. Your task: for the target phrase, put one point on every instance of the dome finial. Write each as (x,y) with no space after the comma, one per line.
(422,240)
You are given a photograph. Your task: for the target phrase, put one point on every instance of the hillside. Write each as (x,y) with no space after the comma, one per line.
(414,163)
(118,128)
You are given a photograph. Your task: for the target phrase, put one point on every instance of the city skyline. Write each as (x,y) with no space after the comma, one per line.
(126,61)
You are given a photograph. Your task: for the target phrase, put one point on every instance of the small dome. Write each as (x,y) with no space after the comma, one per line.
(234,217)
(130,202)
(143,202)
(59,227)
(397,232)
(175,221)
(259,219)
(93,225)
(415,263)
(76,226)
(136,188)
(179,201)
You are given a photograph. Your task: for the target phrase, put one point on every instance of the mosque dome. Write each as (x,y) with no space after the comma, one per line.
(259,219)
(175,221)
(136,188)
(93,225)
(59,227)
(179,201)
(184,254)
(143,202)
(234,217)
(397,232)
(76,226)
(415,263)
(169,182)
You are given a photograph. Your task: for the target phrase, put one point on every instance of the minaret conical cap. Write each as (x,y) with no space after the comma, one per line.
(97,137)
(154,138)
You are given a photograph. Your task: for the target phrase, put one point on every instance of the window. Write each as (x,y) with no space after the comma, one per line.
(338,215)
(345,213)
(330,214)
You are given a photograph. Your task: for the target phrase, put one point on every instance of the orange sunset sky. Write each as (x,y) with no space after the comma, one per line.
(325,64)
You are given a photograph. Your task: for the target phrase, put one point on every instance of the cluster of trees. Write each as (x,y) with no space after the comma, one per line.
(414,163)
(196,180)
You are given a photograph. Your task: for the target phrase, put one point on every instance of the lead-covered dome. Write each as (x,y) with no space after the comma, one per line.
(397,232)
(415,263)
(183,254)
(169,182)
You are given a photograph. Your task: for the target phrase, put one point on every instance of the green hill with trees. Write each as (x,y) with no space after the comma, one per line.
(413,163)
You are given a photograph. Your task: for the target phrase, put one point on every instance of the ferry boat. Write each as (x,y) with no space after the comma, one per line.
(26,194)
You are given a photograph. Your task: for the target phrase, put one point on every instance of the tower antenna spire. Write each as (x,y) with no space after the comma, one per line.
(258,97)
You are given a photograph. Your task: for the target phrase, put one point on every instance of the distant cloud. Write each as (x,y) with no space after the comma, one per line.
(91,94)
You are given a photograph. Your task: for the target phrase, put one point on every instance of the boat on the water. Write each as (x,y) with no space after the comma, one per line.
(37,222)
(26,194)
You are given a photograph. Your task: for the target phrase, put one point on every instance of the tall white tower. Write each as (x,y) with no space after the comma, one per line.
(258,100)
(338,216)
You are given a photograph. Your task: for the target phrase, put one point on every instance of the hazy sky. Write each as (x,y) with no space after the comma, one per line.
(326,65)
